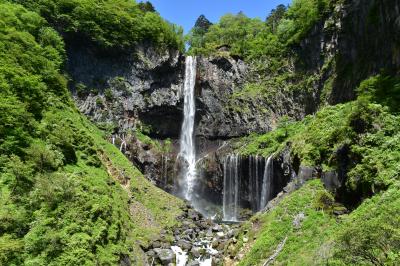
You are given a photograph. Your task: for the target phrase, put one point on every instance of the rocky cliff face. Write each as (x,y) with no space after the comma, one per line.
(146,86)
(356,40)
(141,90)
(122,88)
(369,42)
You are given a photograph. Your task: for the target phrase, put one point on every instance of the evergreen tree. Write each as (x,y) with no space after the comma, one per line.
(275,17)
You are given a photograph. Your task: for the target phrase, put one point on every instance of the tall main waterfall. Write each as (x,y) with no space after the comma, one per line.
(187,145)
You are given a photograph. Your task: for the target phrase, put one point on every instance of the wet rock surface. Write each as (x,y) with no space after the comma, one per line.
(198,237)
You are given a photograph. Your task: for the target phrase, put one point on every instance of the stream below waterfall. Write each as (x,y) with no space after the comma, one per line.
(198,241)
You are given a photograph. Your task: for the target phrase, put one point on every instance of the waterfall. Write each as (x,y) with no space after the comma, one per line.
(187,146)
(267,181)
(164,170)
(231,187)
(255,164)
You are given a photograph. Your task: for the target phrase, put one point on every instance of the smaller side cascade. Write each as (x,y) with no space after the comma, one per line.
(248,185)
(231,187)
(267,182)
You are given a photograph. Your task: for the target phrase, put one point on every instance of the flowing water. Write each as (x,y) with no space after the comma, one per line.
(231,187)
(164,170)
(180,255)
(259,184)
(260,181)
(187,145)
(267,182)
(256,164)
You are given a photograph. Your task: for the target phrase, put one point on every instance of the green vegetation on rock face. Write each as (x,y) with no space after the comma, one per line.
(275,55)
(382,89)
(370,235)
(363,135)
(267,144)
(67,196)
(366,130)
(307,238)
(109,24)
(367,236)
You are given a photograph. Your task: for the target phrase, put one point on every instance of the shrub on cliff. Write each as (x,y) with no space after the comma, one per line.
(371,236)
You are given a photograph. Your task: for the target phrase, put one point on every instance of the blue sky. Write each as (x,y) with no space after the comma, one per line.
(185,12)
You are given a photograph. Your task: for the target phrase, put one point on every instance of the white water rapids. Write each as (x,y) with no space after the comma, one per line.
(181,256)
(205,260)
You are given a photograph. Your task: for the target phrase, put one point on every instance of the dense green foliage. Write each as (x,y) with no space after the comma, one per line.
(110,23)
(370,235)
(267,144)
(252,38)
(67,196)
(367,236)
(306,242)
(196,36)
(382,89)
(368,132)
(365,136)
(232,30)
(31,56)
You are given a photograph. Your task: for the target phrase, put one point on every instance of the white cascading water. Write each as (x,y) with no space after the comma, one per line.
(255,168)
(180,255)
(231,187)
(267,182)
(187,145)
(164,169)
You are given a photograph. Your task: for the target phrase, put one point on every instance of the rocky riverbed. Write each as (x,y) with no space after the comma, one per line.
(197,241)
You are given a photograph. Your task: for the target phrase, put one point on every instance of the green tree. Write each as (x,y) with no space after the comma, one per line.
(118,24)
(196,36)
(274,18)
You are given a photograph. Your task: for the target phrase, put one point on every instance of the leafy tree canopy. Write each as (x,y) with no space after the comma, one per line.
(252,38)
(110,23)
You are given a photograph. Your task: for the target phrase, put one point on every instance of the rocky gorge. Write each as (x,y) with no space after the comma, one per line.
(137,96)
(125,140)
(141,89)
